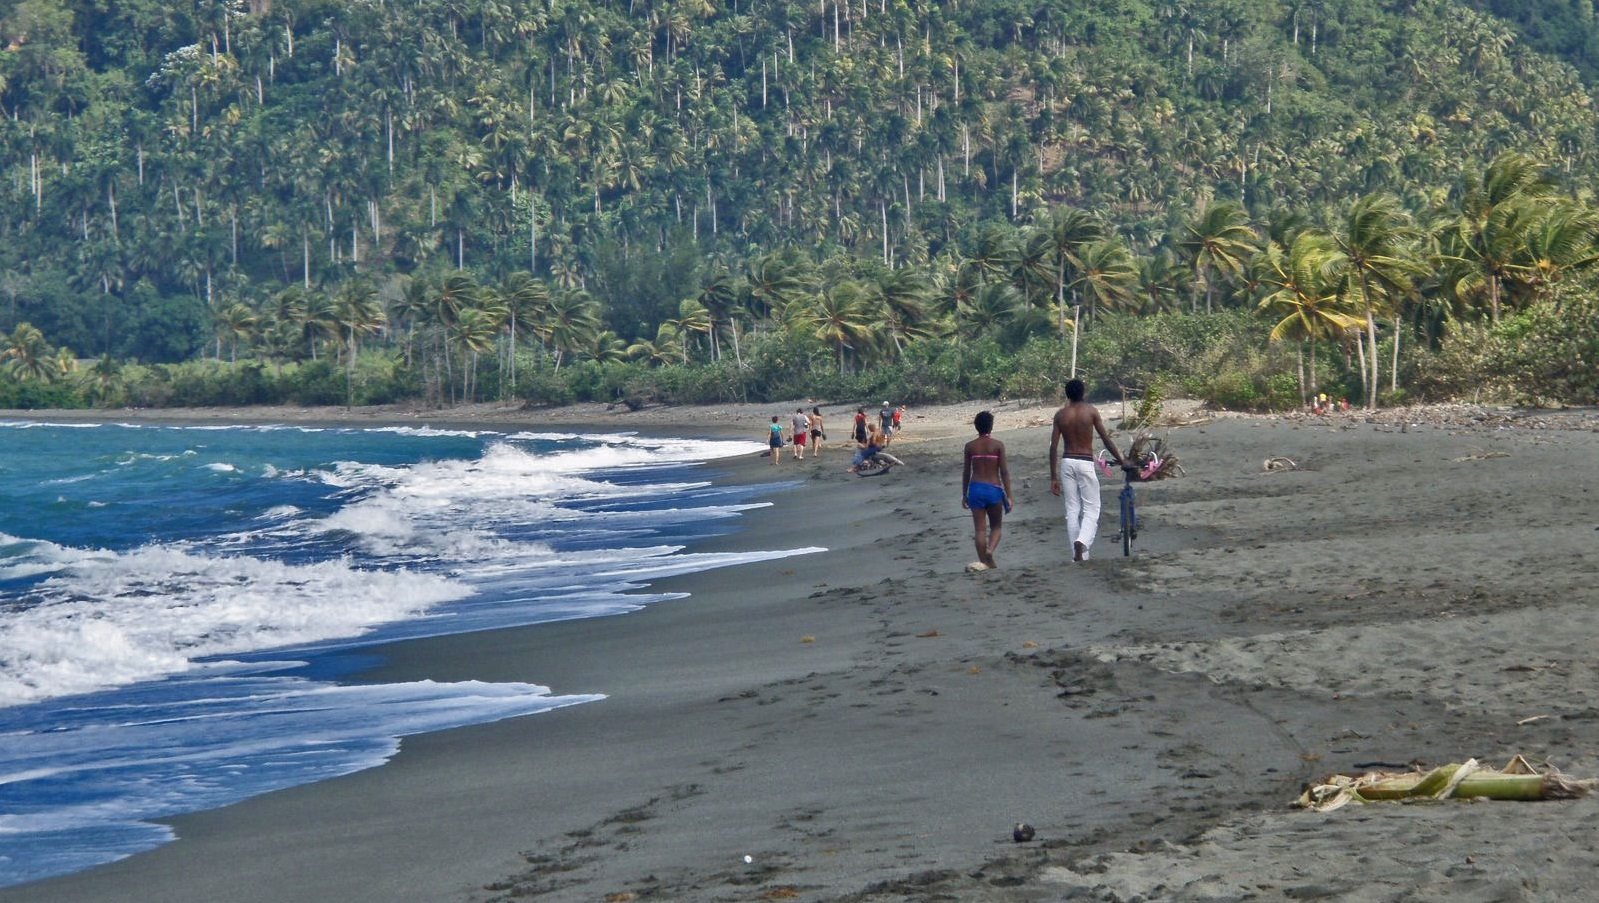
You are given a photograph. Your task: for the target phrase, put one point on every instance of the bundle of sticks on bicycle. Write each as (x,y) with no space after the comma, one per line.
(1148,454)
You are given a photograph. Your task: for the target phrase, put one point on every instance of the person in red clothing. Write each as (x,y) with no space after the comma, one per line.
(860,426)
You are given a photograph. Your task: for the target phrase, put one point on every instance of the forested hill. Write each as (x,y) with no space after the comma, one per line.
(165,162)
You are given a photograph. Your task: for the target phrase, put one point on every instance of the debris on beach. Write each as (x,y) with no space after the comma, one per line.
(1280,462)
(1022,833)
(1517,781)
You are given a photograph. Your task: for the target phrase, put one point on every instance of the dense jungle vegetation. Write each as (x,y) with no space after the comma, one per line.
(242,201)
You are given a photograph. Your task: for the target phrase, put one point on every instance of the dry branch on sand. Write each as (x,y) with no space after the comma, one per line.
(1518,781)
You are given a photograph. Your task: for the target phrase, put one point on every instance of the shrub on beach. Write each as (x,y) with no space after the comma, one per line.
(1544,354)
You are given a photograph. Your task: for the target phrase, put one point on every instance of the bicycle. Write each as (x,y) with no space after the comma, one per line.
(1127,499)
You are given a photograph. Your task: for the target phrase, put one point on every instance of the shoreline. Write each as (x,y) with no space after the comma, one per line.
(867,723)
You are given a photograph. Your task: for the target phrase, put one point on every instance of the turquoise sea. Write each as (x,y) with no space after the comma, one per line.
(178,604)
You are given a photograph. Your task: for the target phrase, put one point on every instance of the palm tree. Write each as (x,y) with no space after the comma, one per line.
(1494,213)
(904,294)
(526,300)
(27,356)
(991,307)
(570,319)
(473,331)
(1106,275)
(355,312)
(1068,230)
(102,378)
(1559,241)
(840,316)
(1375,239)
(994,255)
(692,317)
(718,294)
(1216,244)
(232,324)
(665,347)
(1301,287)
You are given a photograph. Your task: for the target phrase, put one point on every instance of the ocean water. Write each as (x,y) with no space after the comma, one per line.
(178,604)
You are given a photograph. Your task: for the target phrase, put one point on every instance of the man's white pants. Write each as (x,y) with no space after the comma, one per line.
(1079,487)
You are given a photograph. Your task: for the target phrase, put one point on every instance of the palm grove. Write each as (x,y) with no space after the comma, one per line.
(236,202)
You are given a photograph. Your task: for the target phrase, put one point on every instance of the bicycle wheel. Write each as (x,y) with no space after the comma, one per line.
(1132,518)
(1127,522)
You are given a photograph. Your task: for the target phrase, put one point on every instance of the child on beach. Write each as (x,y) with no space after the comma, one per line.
(985,490)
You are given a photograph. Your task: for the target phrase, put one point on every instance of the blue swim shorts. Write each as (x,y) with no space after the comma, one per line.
(982,495)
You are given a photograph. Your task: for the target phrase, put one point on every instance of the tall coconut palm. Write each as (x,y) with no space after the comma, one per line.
(472,331)
(693,319)
(1217,244)
(1300,287)
(1065,234)
(841,316)
(1106,276)
(570,319)
(526,300)
(233,324)
(355,311)
(1494,212)
(1376,239)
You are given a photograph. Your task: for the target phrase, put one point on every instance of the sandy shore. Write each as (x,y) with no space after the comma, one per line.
(868,723)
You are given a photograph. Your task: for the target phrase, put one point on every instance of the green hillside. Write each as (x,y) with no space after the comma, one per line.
(285,180)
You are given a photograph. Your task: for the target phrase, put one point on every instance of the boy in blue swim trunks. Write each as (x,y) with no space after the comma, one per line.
(985,490)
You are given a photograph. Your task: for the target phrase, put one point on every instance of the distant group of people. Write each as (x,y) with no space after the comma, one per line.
(1324,404)
(803,430)
(871,436)
(985,477)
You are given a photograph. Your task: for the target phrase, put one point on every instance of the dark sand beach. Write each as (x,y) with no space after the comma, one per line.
(867,724)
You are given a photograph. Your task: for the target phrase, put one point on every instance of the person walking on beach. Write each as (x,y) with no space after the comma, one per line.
(860,426)
(817,435)
(802,431)
(1076,423)
(885,422)
(774,441)
(985,490)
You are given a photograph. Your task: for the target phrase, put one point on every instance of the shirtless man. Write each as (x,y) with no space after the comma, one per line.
(1076,423)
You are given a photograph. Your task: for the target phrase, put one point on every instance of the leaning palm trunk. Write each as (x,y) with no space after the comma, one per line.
(1299,359)
(1371,339)
(1360,352)
(1517,781)
(1393,371)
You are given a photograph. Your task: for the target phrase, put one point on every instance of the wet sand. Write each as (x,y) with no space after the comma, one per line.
(868,723)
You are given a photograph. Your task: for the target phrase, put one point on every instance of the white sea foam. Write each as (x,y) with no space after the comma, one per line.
(105,618)
(428,431)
